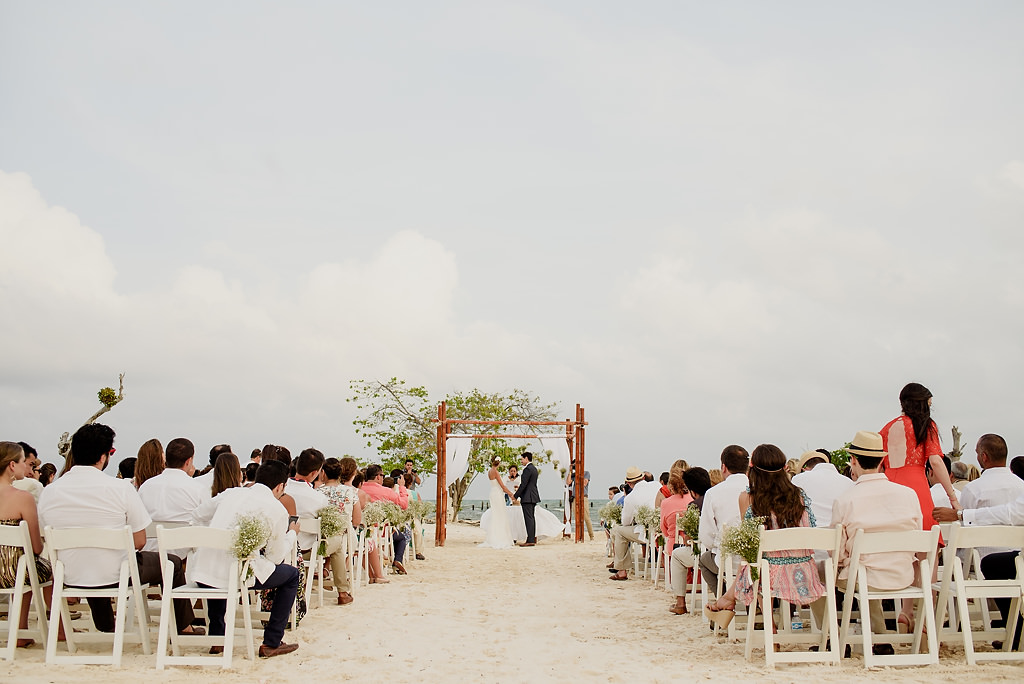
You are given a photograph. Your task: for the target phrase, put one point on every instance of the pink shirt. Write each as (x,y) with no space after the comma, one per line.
(669,508)
(874,504)
(378,492)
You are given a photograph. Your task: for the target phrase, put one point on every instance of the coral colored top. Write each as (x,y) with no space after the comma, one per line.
(669,508)
(905,462)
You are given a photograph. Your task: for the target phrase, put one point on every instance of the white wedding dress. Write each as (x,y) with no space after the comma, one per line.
(495,521)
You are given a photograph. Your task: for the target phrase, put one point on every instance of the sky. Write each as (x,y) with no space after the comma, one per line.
(706,223)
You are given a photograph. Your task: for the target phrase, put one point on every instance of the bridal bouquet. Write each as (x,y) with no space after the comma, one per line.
(611,513)
(332,523)
(374,513)
(250,533)
(744,540)
(648,517)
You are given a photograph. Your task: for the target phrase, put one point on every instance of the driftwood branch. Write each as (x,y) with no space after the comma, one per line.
(64,443)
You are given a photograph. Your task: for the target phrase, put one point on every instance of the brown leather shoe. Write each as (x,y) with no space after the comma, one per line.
(345,598)
(527,543)
(420,556)
(216,650)
(268,652)
(399,568)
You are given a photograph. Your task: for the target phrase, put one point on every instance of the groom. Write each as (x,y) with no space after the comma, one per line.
(528,496)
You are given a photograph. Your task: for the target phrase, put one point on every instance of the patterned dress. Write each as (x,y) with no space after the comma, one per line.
(794,574)
(898,439)
(9,557)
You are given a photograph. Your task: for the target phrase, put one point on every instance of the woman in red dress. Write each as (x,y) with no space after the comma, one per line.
(912,442)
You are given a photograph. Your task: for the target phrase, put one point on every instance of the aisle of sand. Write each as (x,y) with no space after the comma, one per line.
(483,615)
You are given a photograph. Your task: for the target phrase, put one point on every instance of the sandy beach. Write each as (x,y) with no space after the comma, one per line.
(467,614)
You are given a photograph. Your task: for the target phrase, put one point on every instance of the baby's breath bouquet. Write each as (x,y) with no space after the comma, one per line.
(611,513)
(394,514)
(647,516)
(332,523)
(690,524)
(420,509)
(249,534)
(374,513)
(744,540)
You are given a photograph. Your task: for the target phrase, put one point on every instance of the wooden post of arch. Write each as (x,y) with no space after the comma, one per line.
(581,466)
(441,506)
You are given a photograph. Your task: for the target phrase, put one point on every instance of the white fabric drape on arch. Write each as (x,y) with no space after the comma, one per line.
(457,462)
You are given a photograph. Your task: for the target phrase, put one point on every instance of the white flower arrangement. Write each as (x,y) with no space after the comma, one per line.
(420,509)
(744,540)
(394,514)
(690,524)
(611,513)
(374,513)
(648,517)
(332,523)
(250,533)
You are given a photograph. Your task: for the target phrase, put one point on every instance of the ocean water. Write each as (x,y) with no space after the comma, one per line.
(472,509)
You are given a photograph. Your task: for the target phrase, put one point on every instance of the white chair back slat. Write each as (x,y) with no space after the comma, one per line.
(25,579)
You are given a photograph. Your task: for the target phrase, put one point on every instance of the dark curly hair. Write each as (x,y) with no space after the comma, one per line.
(770,488)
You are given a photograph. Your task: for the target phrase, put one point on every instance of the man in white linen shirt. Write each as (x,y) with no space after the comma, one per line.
(307,502)
(173,495)
(722,508)
(822,484)
(210,567)
(205,481)
(643,494)
(85,497)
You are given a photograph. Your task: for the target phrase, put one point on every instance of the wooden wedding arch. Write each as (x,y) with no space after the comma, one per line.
(575,437)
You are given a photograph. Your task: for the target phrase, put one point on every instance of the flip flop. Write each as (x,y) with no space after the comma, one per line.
(617,578)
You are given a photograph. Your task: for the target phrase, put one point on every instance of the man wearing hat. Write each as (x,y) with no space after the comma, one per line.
(821,482)
(642,494)
(874,504)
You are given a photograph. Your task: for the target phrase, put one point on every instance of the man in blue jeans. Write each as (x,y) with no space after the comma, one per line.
(210,567)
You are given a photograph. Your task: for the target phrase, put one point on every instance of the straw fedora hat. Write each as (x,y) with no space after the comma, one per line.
(867,444)
(634,474)
(807,456)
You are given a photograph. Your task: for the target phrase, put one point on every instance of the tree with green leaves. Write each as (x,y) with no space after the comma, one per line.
(398,420)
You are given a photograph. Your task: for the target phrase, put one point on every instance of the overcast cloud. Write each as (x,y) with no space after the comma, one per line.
(736,223)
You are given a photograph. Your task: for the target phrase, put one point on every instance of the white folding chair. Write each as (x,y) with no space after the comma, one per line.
(315,563)
(957,583)
(129,594)
(357,556)
(827,637)
(234,594)
(913,541)
(26,579)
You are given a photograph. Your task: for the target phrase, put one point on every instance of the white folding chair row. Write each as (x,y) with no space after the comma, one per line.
(826,636)
(128,593)
(234,594)
(357,554)
(26,580)
(958,583)
(923,542)
(314,565)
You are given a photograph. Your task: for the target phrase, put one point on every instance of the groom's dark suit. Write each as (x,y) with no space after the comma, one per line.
(529,497)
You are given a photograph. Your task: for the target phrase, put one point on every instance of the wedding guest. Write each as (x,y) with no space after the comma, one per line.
(209,567)
(150,461)
(672,506)
(47,472)
(679,466)
(250,474)
(226,473)
(255,457)
(417,533)
(624,534)
(821,482)
(721,508)
(375,489)
(876,504)
(716,476)
(85,497)
(374,565)
(30,483)
(173,495)
(205,477)
(683,560)
(411,470)
(17,505)
(126,469)
(997,486)
(339,491)
(935,487)
(307,502)
(793,573)
(1016,466)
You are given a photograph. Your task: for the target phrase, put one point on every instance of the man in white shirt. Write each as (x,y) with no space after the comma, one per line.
(721,508)
(206,479)
(210,567)
(307,502)
(85,497)
(173,495)
(643,494)
(822,484)
(30,483)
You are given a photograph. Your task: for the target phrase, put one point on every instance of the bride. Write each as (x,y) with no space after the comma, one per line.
(499,530)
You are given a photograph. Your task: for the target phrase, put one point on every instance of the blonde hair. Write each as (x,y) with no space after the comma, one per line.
(10,452)
(715,475)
